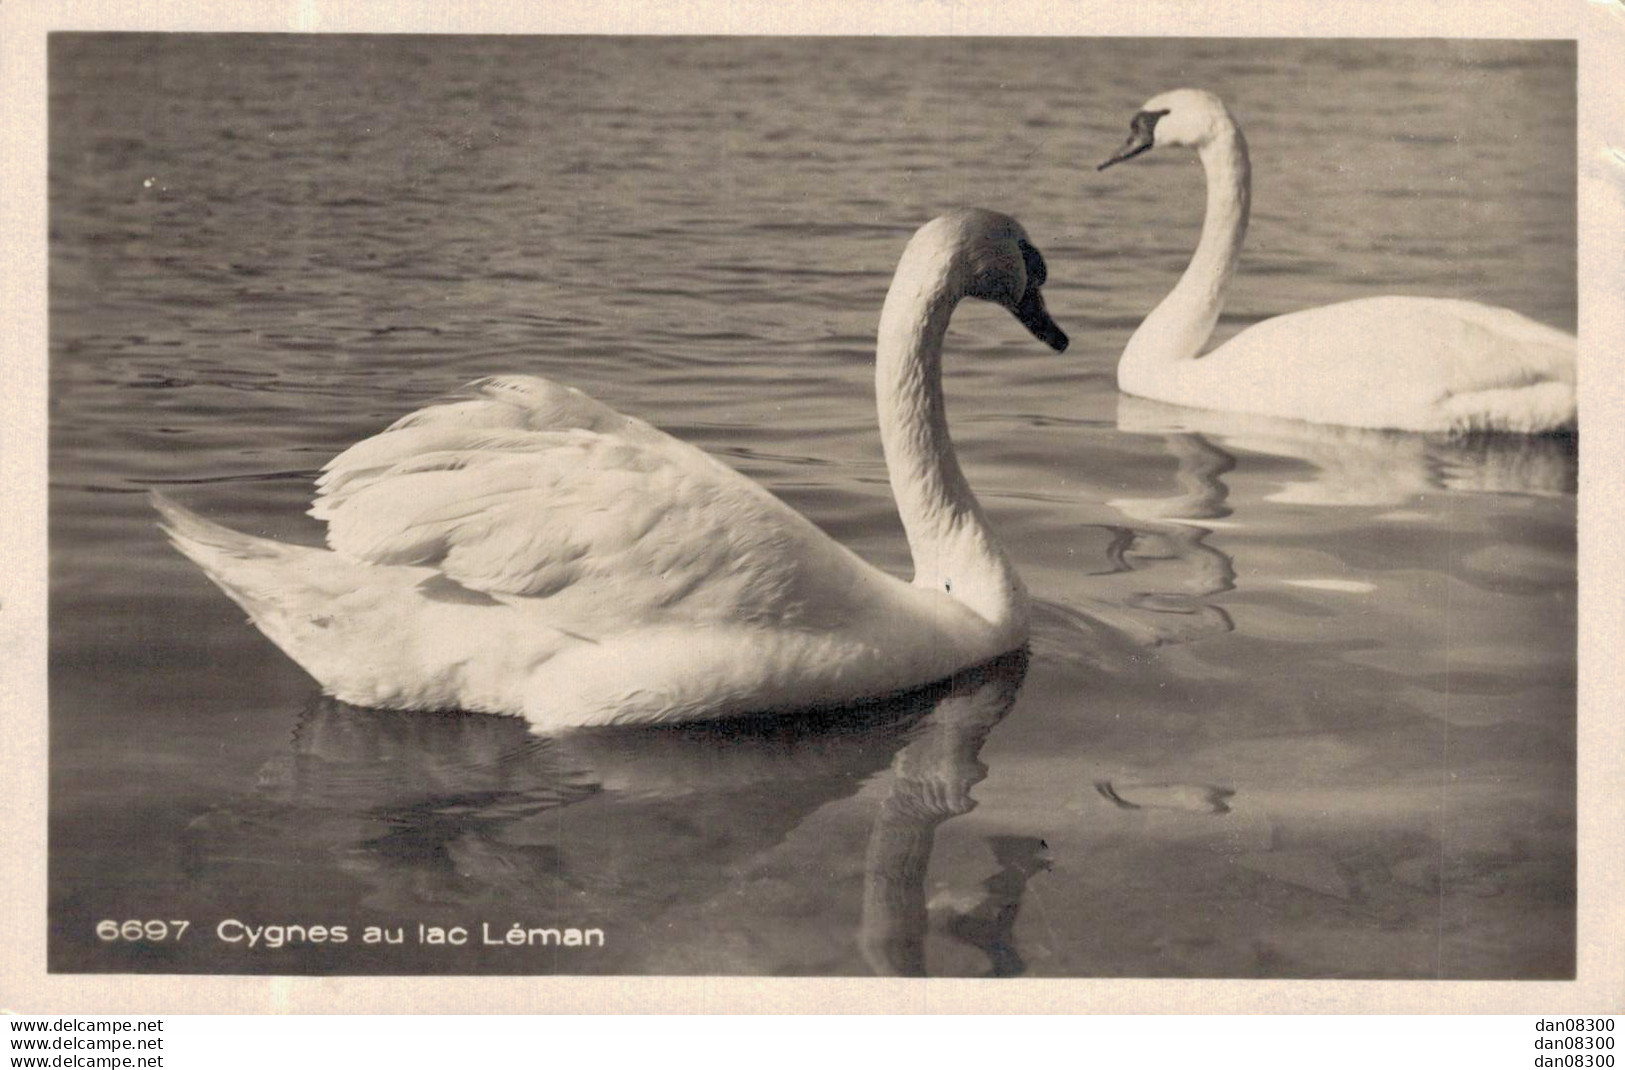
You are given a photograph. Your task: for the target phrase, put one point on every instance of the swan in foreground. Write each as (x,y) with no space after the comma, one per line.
(1402,363)
(524,549)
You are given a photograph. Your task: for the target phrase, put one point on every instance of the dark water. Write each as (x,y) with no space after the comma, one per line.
(1300,702)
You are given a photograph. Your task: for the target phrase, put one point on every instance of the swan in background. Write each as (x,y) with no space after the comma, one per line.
(1402,363)
(524,549)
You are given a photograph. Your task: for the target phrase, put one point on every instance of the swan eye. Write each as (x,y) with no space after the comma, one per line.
(1144,124)
(1034,260)
(996,275)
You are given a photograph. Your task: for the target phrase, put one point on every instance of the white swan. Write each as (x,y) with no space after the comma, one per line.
(1403,363)
(524,549)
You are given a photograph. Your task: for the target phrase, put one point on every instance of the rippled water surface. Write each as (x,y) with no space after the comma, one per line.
(1299,703)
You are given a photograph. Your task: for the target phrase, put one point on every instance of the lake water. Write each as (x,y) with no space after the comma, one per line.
(1299,702)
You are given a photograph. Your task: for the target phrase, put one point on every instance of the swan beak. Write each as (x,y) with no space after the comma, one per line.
(1142,135)
(1035,317)
(1137,143)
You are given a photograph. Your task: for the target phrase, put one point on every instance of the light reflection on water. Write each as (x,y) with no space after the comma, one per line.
(1300,701)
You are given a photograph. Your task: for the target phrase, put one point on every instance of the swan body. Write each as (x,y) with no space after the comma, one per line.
(521,548)
(1395,362)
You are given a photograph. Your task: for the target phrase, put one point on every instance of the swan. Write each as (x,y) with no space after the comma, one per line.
(523,549)
(1397,363)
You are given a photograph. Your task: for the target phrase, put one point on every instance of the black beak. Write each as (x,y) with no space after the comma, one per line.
(1035,317)
(1131,148)
(1142,135)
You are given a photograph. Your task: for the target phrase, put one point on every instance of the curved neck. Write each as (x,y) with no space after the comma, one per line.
(954,550)
(1178,328)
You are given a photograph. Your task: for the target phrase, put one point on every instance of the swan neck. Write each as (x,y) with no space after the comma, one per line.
(1179,327)
(953,548)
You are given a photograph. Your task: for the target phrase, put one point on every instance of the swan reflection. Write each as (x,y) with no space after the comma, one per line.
(437,810)
(932,777)
(1162,571)
(1346,467)
(1360,467)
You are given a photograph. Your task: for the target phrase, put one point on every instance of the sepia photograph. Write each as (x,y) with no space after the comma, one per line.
(604,505)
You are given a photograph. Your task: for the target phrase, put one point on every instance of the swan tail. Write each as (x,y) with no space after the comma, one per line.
(280,586)
(227,557)
(1541,408)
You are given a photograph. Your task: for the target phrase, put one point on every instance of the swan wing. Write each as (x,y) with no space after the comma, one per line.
(488,413)
(522,488)
(1410,363)
(1463,347)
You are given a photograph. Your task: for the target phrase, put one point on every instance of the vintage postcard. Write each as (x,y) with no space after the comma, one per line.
(928,506)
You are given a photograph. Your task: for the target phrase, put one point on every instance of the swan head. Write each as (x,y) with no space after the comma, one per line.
(987,255)
(1190,117)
